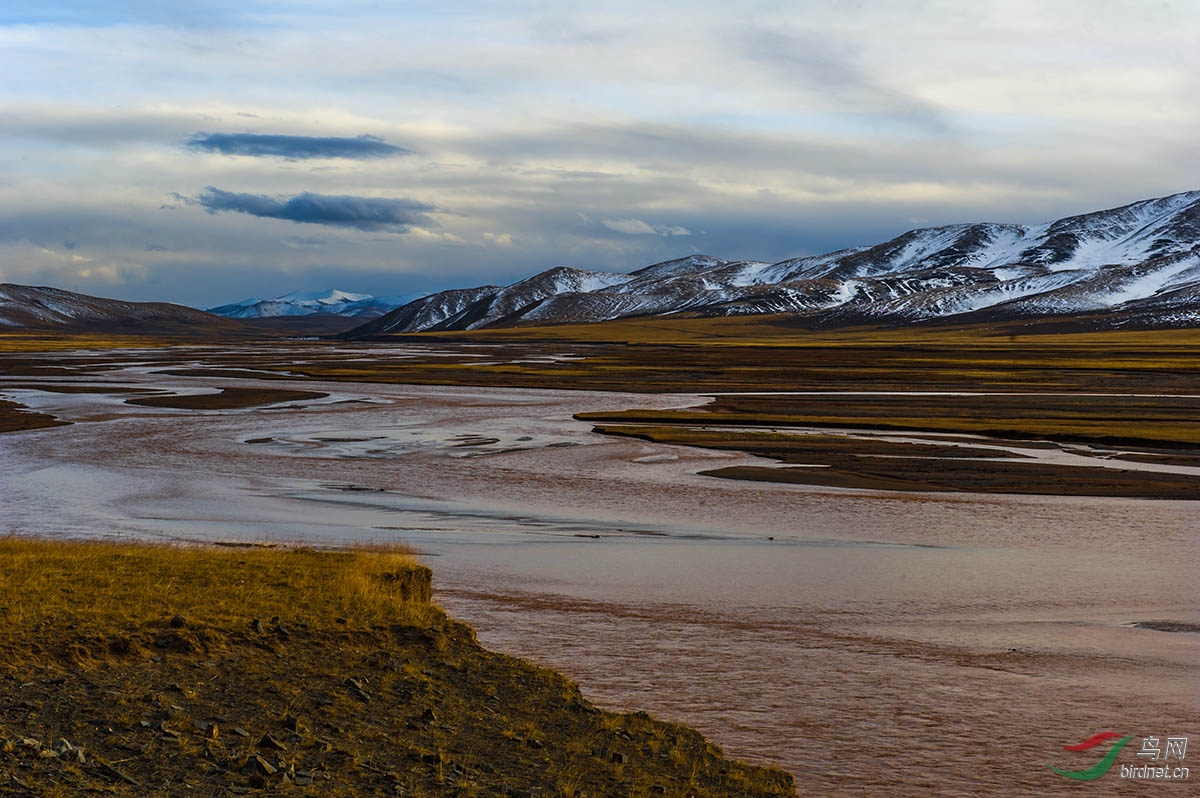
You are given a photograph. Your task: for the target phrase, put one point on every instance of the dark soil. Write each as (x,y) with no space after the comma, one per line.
(227,399)
(14,417)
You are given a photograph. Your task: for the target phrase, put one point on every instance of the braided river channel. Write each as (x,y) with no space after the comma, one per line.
(868,642)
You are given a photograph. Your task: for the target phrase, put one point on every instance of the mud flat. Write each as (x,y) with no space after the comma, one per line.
(868,460)
(227,399)
(15,416)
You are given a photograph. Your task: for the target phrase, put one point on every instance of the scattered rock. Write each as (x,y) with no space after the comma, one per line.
(256,765)
(269,741)
(295,725)
(257,627)
(112,773)
(357,690)
(178,642)
(178,622)
(120,646)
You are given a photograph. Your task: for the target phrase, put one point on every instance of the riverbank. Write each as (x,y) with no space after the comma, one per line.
(225,670)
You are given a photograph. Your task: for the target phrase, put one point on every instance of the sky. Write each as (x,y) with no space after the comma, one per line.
(204,153)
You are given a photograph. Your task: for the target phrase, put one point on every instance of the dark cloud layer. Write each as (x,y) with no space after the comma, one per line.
(364,213)
(294,147)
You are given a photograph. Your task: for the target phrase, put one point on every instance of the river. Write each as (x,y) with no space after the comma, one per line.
(868,642)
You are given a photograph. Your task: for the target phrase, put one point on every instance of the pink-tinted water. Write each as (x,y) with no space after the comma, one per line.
(878,644)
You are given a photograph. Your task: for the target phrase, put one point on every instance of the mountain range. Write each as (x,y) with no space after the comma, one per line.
(1137,265)
(1134,266)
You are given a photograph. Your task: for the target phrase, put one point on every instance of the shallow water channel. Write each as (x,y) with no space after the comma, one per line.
(868,642)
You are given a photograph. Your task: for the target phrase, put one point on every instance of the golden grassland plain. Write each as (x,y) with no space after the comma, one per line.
(135,669)
(696,355)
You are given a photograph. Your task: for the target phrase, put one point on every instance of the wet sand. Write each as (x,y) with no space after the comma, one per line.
(904,643)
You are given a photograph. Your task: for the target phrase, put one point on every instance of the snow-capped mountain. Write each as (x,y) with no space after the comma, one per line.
(52,308)
(1138,264)
(305,303)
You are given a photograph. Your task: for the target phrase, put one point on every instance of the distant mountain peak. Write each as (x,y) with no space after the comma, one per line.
(331,296)
(1138,264)
(305,303)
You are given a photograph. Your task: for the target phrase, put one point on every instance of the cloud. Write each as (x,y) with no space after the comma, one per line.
(820,73)
(294,147)
(633,227)
(363,213)
(636,227)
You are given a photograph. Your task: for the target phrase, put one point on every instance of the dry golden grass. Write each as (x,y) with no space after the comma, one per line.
(108,585)
(59,341)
